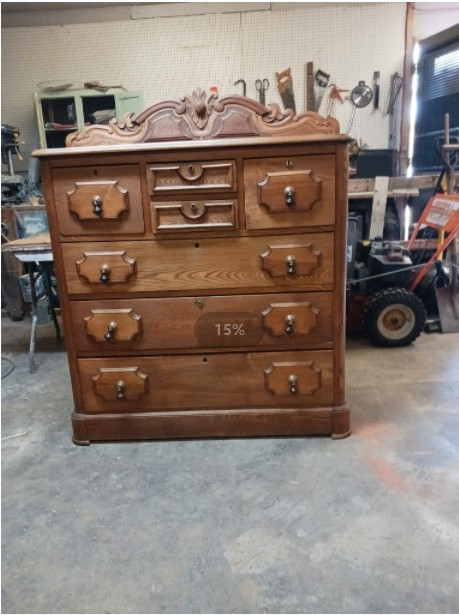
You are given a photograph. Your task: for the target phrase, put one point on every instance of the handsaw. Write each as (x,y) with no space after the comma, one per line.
(285,88)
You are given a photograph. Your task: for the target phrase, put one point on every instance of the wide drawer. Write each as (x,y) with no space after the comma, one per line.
(234,321)
(98,200)
(208,176)
(240,380)
(259,263)
(289,191)
(202,215)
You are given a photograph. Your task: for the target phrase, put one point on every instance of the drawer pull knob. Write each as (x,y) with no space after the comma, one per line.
(289,164)
(289,320)
(97,205)
(292,380)
(291,264)
(289,193)
(120,389)
(104,273)
(109,336)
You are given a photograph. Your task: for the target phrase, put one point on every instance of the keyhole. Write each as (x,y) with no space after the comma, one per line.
(191,168)
(196,245)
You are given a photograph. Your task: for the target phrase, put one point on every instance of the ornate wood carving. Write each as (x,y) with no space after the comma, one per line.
(300,317)
(98,200)
(290,260)
(127,325)
(290,191)
(305,376)
(204,116)
(120,383)
(106,267)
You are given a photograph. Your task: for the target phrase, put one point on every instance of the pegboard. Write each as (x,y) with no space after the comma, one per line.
(169,57)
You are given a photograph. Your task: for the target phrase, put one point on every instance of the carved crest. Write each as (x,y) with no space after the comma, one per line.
(205,115)
(199,106)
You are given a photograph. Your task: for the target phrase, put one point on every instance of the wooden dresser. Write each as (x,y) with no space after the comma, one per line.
(200,251)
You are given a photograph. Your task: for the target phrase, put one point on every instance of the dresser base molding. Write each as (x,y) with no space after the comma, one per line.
(211,424)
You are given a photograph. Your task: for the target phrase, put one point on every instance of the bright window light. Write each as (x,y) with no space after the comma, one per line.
(413,110)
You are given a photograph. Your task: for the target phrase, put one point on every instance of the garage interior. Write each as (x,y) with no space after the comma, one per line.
(281,522)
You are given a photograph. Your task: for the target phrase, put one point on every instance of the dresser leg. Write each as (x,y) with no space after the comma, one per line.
(80,436)
(341,422)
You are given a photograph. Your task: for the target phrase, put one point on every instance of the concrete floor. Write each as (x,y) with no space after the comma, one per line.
(368,524)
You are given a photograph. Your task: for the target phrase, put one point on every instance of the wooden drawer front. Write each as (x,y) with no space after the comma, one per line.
(240,380)
(290,192)
(256,263)
(193,215)
(185,176)
(98,200)
(232,321)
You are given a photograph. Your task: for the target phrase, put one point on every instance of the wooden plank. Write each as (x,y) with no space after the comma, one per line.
(378,210)
(310,86)
(396,183)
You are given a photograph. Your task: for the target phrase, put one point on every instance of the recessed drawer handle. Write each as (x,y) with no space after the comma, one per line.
(120,385)
(110,335)
(104,273)
(289,320)
(97,205)
(291,264)
(292,380)
(289,194)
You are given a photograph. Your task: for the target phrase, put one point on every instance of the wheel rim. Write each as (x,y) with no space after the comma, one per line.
(396,321)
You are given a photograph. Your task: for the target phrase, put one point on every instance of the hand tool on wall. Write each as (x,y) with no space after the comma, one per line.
(396,83)
(309,97)
(360,97)
(376,89)
(261,86)
(334,94)
(244,86)
(285,88)
(321,79)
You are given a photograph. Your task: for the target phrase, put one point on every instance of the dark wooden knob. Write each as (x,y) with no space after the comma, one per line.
(110,335)
(104,273)
(289,194)
(291,264)
(120,385)
(289,320)
(292,380)
(97,205)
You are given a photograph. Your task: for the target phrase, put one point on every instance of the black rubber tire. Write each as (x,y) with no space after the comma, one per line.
(411,317)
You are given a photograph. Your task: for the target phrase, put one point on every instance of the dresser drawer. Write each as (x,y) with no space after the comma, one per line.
(206,176)
(289,192)
(296,262)
(240,380)
(98,200)
(234,321)
(203,215)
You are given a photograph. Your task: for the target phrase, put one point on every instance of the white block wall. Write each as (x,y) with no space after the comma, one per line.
(169,57)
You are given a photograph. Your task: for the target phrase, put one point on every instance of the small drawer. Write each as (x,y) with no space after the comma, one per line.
(253,264)
(98,200)
(229,322)
(192,176)
(194,215)
(200,382)
(290,192)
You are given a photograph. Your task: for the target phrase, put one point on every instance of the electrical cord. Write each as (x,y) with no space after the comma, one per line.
(13,365)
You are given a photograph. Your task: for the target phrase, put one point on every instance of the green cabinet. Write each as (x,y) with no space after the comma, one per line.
(66,111)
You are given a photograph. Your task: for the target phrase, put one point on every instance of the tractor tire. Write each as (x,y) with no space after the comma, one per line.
(393,317)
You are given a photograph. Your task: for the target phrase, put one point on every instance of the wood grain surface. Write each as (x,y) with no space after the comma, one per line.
(212,381)
(199,322)
(205,264)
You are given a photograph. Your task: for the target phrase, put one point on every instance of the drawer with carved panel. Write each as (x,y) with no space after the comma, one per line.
(247,380)
(206,176)
(259,263)
(98,200)
(259,321)
(289,191)
(192,215)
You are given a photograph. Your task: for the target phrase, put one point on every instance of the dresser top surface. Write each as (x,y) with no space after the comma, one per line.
(186,145)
